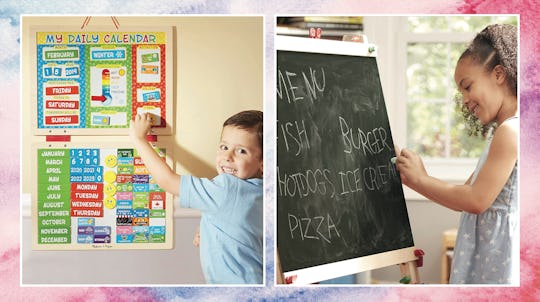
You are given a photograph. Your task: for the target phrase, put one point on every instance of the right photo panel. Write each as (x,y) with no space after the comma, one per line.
(397,149)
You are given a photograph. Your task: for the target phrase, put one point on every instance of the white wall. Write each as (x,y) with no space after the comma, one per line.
(428,221)
(218,72)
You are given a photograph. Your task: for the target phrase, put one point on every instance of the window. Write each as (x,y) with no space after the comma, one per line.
(435,129)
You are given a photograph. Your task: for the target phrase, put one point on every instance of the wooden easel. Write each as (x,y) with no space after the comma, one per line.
(409,273)
(296,54)
(279,273)
(408,270)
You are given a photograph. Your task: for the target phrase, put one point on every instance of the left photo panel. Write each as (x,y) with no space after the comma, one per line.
(141,150)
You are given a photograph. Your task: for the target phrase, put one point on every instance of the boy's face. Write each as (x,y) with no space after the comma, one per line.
(239,153)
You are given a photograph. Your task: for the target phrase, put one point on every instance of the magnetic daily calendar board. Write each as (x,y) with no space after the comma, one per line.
(340,203)
(98,80)
(90,197)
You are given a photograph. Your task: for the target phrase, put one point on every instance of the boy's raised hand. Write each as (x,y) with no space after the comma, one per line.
(161,172)
(140,126)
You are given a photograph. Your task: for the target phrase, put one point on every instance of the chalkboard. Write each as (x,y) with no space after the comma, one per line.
(339,197)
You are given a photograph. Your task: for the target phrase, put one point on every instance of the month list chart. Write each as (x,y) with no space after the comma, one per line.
(99,197)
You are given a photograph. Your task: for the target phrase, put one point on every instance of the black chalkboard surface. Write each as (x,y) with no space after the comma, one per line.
(339,197)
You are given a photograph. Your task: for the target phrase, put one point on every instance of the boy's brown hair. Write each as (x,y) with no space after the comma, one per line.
(248,120)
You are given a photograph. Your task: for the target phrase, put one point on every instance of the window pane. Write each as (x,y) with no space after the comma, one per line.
(426,123)
(461,143)
(427,70)
(427,24)
(468,24)
(474,24)
(505,19)
(428,75)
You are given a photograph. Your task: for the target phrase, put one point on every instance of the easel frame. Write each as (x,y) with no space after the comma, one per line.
(405,258)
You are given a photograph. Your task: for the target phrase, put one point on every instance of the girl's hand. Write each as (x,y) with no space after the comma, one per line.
(140,126)
(411,168)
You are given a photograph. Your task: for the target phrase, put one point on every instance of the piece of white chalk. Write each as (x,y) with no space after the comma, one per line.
(393,160)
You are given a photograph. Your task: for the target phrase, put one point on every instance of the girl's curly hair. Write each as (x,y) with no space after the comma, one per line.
(494,45)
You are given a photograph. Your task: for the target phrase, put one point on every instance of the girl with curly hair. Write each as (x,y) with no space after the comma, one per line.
(487,246)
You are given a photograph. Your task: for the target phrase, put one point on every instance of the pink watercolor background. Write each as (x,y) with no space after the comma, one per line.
(529,176)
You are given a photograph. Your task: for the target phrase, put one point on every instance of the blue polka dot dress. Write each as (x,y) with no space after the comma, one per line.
(487,244)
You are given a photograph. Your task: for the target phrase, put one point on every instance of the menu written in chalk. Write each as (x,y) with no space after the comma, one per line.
(339,196)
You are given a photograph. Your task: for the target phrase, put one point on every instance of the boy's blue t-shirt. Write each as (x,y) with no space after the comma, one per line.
(231,230)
